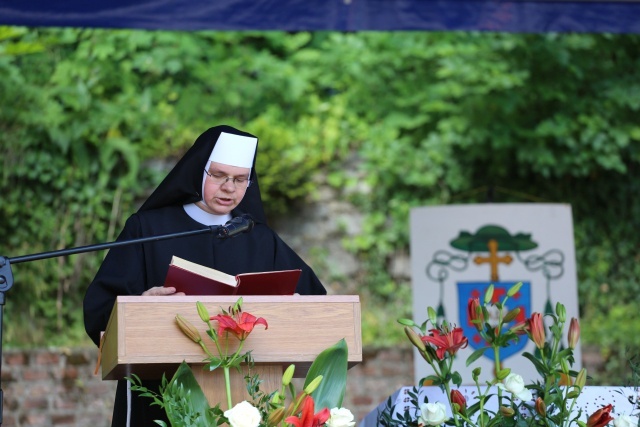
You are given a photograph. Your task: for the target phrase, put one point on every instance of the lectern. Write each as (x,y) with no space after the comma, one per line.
(142,337)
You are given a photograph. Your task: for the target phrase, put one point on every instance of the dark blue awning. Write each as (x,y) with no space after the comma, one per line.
(331,15)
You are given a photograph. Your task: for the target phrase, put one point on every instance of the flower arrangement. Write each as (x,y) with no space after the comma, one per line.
(505,400)
(186,405)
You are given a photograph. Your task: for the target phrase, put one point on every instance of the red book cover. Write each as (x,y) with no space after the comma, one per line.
(281,282)
(196,279)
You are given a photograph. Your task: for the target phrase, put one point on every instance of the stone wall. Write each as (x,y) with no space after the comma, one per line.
(58,388)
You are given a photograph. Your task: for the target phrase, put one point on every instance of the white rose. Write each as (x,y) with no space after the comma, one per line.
(515,384)
(340,417)
(625,421)
(432,414)
(243,415)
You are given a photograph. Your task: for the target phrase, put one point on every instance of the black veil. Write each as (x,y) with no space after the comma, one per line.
(183,184)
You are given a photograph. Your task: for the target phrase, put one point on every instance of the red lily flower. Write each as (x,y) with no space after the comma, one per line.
(601,417)
(307,417)
(449,342)
(475,314)
(574,333)
(536,330)
(240,324)
(520,328)
(458,399)
(541,407)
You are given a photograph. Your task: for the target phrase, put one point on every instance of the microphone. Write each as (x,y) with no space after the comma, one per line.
(238,225)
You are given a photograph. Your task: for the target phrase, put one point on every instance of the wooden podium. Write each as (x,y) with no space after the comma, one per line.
(142,337)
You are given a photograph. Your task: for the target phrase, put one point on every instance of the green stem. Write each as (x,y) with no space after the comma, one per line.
(496,356)
(456,415)
(573,402)
(214,336)
(297,402)
(237,353)
(481,397)
(545,362)
(437,371)
(468,420)
(557,341)
(204,347)
(227,383)
(552,358)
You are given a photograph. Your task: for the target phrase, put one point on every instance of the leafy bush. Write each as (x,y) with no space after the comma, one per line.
(93,119)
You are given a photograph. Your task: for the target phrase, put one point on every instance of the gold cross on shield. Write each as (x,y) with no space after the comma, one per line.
(493,259)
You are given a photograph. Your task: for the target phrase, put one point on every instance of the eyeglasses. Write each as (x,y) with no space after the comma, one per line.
(219,179)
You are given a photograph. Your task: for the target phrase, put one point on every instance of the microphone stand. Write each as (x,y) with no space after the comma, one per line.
(6,276)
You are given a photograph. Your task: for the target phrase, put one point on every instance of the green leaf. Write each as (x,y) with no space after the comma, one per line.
(332,365)
(435,380)
(406,322)
(456,378)
(475,355)
(214,363)
(539,366)
(183,378)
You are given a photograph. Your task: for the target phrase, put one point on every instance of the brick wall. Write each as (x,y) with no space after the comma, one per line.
(54,388)
(381,372)
(57,387)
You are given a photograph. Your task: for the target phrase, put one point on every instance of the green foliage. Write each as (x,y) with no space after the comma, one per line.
(181,398)
(60,135)
(396,120)
(505,391)
(535,115)
(92,110)
(617,340)
(186,405)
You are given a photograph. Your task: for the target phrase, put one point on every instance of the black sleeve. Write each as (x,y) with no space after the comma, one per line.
(286,258)
(122,273)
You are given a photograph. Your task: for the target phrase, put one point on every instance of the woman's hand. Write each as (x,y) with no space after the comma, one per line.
(162,291)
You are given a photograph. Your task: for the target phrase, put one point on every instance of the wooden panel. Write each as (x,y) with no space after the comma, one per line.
(213,386)
(142,336)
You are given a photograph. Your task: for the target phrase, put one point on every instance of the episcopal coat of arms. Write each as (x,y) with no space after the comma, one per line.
(472,259)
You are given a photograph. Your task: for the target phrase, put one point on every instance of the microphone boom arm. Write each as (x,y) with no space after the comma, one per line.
(6,275)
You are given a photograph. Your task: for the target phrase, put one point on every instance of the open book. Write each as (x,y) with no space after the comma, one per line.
(196,279)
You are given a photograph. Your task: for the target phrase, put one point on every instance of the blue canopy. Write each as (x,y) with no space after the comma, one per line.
(332,15)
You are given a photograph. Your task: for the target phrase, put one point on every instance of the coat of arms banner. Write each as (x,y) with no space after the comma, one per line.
(458,251)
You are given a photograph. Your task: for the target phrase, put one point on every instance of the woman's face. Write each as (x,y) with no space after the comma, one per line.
(224,188)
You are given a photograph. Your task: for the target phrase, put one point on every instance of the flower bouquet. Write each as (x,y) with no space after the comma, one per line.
(505,400)
(318,404)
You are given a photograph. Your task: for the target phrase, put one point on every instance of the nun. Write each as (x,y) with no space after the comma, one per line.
(212,183)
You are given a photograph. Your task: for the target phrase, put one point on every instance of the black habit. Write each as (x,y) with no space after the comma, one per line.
(132,269)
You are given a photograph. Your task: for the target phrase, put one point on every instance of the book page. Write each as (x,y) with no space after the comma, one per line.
(203,271)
